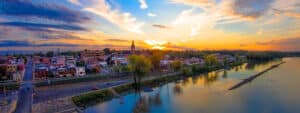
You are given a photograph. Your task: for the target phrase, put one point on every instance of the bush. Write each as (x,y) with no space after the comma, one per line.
(187,72)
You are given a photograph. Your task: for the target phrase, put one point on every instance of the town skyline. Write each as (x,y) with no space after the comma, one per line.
(268,25)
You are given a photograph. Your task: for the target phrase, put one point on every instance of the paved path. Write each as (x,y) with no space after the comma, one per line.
(53,92)
(24,104)
(45,94)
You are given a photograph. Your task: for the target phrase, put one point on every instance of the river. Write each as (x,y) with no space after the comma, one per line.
(276,91)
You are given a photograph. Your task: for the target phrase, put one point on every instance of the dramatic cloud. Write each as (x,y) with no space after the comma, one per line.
(161,26)
(7,43)
(25,43)
(116,40)
(76,2)
(199,3)
(181,24)
(123,20)
(151,15)
(287,13)
(249,8)
(287,44)
(194,22)
(286,5)
(39,25)
(25,8)
(13,31)
(143,4)
(159,44)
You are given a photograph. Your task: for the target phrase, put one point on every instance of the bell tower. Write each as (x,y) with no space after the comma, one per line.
(132,47)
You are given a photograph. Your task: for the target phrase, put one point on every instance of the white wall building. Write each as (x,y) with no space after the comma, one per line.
(80,71)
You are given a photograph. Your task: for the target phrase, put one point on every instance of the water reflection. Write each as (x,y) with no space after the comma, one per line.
(145,102)
(141,106)
(224,74)
(177,89)
(195,79)
(207,93)
(155,100)
(211,77)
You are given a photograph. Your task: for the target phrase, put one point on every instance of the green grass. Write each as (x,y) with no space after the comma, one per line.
(92,98)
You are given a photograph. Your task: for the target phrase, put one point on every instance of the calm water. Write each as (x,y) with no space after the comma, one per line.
(276,91)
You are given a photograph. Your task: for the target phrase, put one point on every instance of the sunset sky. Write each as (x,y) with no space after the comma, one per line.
(160,24)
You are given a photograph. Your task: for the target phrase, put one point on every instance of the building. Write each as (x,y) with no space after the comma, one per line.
(132,50)
(36,59)
(70,61)
(194,61)
(91,53)
(45,60)
(59,61)
(165,64)
(65,72)
(11,68)
(103,63)
(41,71)
(17,76)
(80,71)
(120,60)
(92,56)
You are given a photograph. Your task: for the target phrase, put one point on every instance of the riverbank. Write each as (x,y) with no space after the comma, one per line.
(95,97)
(250,78)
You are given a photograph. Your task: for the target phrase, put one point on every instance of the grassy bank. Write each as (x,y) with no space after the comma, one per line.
(100,96)
(92,98)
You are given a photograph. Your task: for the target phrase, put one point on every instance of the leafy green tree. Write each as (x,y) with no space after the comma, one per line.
(186,71)
(80,63)
(106,51)
(2,72)
(125,68)
(195,68)
(210,60)
(139,66)
(226,61)
(50,54)
(116,69)
(155,59)
(176,65)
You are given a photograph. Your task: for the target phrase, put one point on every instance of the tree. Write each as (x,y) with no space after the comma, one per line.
(96,69)
(50,54)
(106,51)
(2,72)
(210,59)
(176,65)
(186,71)
(226,61)
(155,59)
(139,65)
(80,63)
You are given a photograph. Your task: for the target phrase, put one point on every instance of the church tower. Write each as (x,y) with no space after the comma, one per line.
(132,47)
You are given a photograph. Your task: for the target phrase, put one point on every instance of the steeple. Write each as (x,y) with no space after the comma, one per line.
(132,47)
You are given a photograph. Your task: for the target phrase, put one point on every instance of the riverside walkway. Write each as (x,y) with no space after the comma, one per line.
(249,79)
